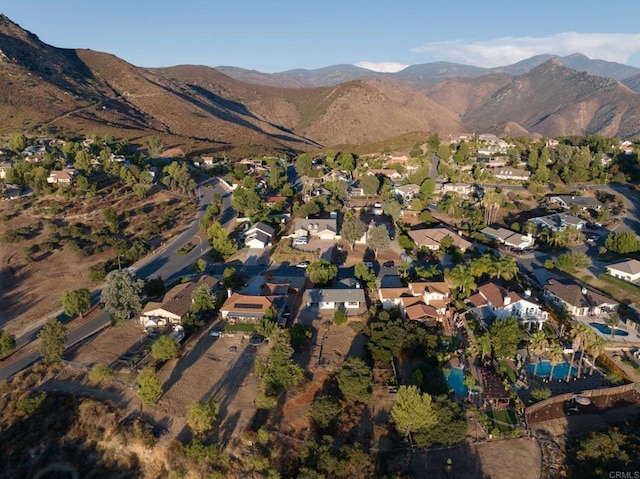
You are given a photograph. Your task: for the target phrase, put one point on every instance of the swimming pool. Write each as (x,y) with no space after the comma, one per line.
(559,372)
(604,329)
(455,380)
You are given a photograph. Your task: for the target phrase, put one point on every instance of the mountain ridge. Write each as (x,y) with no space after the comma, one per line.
(196,108)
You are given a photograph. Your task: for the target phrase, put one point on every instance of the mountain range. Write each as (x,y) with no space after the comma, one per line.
(199,109)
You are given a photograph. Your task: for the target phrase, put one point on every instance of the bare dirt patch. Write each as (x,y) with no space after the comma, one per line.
(34,275)
(106,347)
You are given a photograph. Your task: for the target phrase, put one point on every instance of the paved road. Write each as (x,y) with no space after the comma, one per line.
(164,263)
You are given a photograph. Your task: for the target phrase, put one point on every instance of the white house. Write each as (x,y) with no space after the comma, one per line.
(508,173)
(350,301)
(64,177)
(628,270)
(259,236)
(493,301)
(407,192)
(509,238)
(582,202)
(559,222)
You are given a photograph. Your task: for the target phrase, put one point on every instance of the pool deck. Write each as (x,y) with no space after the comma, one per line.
(633,337)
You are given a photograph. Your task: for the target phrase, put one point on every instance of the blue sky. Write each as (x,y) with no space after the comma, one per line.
(277,35)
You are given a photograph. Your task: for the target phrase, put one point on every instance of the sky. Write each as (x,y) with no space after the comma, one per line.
(382,35)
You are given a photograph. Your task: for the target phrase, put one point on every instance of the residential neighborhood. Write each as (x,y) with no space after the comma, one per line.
(493,296)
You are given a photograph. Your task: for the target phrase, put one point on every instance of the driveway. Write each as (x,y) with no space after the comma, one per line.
(255,256)
(325,247)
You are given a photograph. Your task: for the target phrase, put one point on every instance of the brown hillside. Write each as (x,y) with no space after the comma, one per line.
(555,100)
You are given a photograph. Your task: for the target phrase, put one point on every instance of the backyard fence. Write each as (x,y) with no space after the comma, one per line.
(593,393)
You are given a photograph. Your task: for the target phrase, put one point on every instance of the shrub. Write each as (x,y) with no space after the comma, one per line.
(99,374)
(339,318)
(540,394)
(31,404)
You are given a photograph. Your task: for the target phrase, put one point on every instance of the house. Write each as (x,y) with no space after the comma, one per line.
(349,299)
(492,161)
(579,300)
(492,301)
(249,308)
(407,192)
(582,202)
(431,238)
(509,238)
(508,173)
(463,189)
(436,294)
(559,222)
(628,270)
(388,172)
(175,304)
(391,291)
(326,229)
(259,236)
(63,177)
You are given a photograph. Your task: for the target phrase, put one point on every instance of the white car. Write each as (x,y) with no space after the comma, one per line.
(216,334)
(303,264)
(301,240)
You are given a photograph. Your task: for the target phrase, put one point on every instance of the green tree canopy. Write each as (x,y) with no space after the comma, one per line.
(304,164)
(366,274)
(222,247)
(76,301)
(355,380)
(505,335)
(202,300)
(378,238)
(370,184)
(623,242)
(150,386)
(7,342)
(325,411)
(281,371)
(201,416)
(450,427)
(165,348)
(413,411)
(321,271)
(122,293)
(352,230)
(53,337)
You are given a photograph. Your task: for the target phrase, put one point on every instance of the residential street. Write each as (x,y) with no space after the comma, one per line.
(163,263)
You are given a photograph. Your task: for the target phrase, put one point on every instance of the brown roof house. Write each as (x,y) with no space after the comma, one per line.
(248,308)
(175,304)
(431,238)
(579,300)
(62,177)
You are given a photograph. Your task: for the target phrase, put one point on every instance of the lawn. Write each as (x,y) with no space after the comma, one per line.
(503,416)
(240,327)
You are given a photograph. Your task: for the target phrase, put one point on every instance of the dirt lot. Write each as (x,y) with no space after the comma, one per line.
(31,283)
(105,348)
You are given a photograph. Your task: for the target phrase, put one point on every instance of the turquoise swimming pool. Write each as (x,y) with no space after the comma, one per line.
(455,380)
(559,372)
(604,329)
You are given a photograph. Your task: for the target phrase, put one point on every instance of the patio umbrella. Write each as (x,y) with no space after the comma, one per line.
(583,400)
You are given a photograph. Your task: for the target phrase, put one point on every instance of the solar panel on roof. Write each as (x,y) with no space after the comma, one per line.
(248,306)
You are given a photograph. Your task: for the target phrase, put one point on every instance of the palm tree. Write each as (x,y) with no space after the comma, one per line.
(612,321)
(505,268)
(586,335)
(558,239)
(555,356)
(529,228)
(596,347)
(461,280)
(481,266)
(492,201)
(484,345)
(538,343)
(470,382)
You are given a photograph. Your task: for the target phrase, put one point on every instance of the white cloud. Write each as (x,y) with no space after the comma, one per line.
(382,67)
(616,47)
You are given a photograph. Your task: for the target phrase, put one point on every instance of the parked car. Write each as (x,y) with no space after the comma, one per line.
(388,264)
(301,240)
(368,264)
(303,264)
(215,333)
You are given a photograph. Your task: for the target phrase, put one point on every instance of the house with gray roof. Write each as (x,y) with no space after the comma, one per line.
(316,228)
(259,235)
(509,238)
(579,300)
(628,270)
(559,222)
(582,202)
